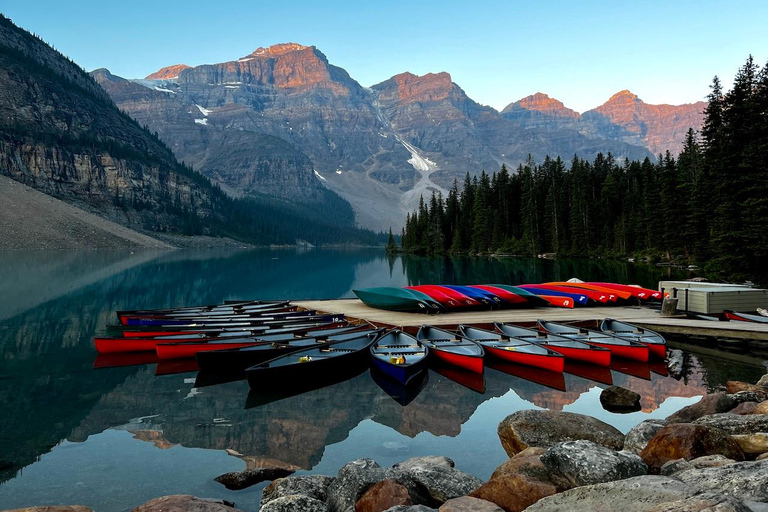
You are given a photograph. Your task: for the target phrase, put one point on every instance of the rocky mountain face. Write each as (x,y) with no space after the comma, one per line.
(283,121)
(60,133)
(624,118)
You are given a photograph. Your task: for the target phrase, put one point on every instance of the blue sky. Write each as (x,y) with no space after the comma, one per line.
(580,52)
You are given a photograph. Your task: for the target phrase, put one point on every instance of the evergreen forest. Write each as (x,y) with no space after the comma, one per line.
(708,205)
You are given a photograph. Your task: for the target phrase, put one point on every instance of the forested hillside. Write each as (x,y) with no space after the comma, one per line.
(708,205)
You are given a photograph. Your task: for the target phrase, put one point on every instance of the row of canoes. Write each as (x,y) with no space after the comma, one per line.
(445,298)
(267,339)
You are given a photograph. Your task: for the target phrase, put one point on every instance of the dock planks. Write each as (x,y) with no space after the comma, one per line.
(638,315)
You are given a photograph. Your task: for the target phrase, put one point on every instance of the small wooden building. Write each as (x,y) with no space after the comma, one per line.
(712,298)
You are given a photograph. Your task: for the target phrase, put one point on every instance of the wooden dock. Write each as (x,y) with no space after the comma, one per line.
(637,315)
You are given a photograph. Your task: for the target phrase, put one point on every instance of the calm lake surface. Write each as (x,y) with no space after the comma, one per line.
(113,438)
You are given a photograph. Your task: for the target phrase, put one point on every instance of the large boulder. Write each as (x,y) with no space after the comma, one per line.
(185,503)
(469,504)
(440,484)
(735,424)
(704,502)
(435,461)
(576,463)
(315,486)
(762,408)
(545,429)
(763,381)
(527,463)
(709,461)
(735,386)
(636,494)
(295,503)
(410,508)
(383,495)
(750,396)
(688,441)
(355,478)
(753,444)
(514,493)
(746,480)
(709,404)
(618,399)
(237,480)
(744,408)
(639,435)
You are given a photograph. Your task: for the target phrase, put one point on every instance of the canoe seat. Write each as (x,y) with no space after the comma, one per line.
(397,346)
(400,352)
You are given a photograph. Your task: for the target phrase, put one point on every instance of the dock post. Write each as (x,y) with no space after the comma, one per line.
(669,306)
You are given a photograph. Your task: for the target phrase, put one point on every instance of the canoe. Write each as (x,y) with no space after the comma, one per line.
(597,297)
(186,325)
(398,299)
(510,298)
(588,286)
(514,350)
(107,345)
(251,306)
(150,331)
(655,342)
(445,346)
(561,302)
(447,298)
(636,291)
(168,322)
(485,297)
(223,313)
(578,298)
(619,347)
(305,365)
(745,317)
(532,298)
(569,348)
(191,349)
(238,359)
(399,356)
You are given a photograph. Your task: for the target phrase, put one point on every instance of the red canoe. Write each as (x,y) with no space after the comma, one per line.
(571,349)
(619,347)
(447,297)
(589,286)
(636,291)
(511,298)
(448,348)
(514,350)
(601,297)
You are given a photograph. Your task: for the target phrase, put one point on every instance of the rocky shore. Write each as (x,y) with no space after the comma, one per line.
(709,456)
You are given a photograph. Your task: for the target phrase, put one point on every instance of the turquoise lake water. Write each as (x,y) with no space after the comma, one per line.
(113,438)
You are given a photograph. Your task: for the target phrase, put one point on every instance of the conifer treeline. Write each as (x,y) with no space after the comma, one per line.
(710,204)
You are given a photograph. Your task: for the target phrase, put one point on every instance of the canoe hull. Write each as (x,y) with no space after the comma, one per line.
(585,355)
(632,352)
(547,362)
(467,362)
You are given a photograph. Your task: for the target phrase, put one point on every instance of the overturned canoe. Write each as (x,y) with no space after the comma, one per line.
(398,299)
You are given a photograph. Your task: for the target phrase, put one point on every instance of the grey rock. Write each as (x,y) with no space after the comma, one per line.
(736,424)
(763,381)
(673,467)
(241,479)
(294,503)
(704,502)
(527,428)
(356,477)
(469,504)
(315,486)
(426,461)
(616,398)
(441,484)
(185,503)
(746,480)
(709,404)
(636,494)
(749,396)
(411,508)
(756,506)
(675,362)
(639,435)
(710,461)
(576,463)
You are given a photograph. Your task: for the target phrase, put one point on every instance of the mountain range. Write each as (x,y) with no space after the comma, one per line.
(283,121)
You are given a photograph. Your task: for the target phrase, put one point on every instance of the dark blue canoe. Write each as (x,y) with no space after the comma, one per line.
(482,296)
(400,356)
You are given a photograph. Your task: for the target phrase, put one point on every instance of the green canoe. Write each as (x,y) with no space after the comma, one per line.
(398,299)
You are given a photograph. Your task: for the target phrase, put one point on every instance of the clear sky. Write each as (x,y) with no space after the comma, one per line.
(579,51)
